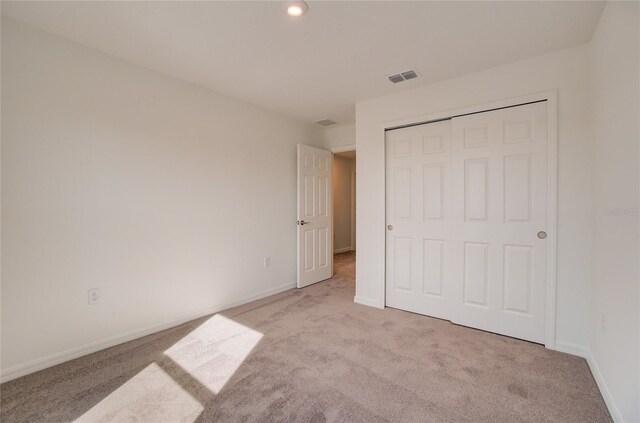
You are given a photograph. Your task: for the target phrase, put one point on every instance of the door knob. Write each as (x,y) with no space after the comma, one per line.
(542,234)
(390,227)
(302,222)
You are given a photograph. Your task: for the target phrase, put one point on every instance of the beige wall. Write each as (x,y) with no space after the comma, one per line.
(354,179)
(342,168)
(615,256)
(165,195)
(340,136)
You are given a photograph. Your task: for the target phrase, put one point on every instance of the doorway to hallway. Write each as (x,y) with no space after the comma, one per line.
(344,205)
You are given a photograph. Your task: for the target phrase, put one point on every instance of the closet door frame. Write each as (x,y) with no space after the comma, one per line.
(552,186)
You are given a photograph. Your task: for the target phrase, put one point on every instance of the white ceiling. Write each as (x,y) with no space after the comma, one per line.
(317,66)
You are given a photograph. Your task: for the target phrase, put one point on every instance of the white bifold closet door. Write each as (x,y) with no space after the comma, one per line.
(466,211)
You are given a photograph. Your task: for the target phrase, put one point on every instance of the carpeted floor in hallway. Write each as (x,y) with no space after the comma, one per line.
(312,355)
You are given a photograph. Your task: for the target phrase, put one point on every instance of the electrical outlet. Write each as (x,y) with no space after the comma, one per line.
(94,296)
(267,262)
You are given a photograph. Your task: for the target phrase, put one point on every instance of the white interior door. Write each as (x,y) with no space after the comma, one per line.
(315,229)
(466,199)
(500,203)
(419,219)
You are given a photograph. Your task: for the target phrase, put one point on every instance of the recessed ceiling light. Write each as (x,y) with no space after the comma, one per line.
(297,8)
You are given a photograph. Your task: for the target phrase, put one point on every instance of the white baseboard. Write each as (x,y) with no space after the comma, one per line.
(604,389)
(571,348)
(341,250)
(584,352)
(63,356)
(368,302)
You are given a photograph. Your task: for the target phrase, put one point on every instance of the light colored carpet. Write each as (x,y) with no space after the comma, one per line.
(312,355)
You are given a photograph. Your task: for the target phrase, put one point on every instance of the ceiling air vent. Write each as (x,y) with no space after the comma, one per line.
(396,78)
(325,122)
(403,76)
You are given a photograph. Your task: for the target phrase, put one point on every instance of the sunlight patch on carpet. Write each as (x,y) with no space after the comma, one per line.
(151,394)
(178,386)
(214,351)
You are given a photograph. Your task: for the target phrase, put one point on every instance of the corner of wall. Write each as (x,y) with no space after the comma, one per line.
(602,386)
(614,337)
